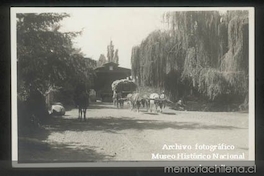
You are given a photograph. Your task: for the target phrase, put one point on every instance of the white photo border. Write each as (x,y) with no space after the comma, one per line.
(14,121)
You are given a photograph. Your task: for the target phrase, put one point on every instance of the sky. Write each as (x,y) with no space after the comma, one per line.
(125,27)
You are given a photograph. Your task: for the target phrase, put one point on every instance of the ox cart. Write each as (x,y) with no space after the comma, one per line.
(121,88)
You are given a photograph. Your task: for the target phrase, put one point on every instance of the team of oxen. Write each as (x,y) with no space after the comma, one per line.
(152,102)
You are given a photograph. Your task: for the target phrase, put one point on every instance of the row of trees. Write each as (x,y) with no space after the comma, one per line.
(47,61)
(112,56)
(203,52)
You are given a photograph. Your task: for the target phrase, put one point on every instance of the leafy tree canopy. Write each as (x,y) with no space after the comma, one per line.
(205,51)
(46,57)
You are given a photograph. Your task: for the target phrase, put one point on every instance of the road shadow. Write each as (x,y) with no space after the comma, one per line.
(114,125)
(151,113)
(58,153)
(169,113)
(33,134)
(103,106)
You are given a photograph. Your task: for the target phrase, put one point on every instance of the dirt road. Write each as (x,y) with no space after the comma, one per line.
(111,134)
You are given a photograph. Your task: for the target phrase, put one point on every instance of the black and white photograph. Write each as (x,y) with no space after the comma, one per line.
(110,85)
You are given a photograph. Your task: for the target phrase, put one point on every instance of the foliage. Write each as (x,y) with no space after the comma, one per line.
(110,52)
(116,57)
(46,58)
(234,63)
(201,50)
(101,61)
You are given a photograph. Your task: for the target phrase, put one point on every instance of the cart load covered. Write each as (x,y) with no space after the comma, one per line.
(124,86)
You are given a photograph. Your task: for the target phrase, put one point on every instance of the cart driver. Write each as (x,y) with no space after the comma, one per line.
(162,95)
(162,99)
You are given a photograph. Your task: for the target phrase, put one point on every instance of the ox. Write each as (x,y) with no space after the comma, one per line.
(145,102)
(152,101)
(134,100)
(82,101)
(158,101)
(114,98)
(118,100)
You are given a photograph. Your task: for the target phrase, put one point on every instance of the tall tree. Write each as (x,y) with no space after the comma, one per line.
(204,51)
(116,57)
(110,52)
(101,61)
(46,57)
